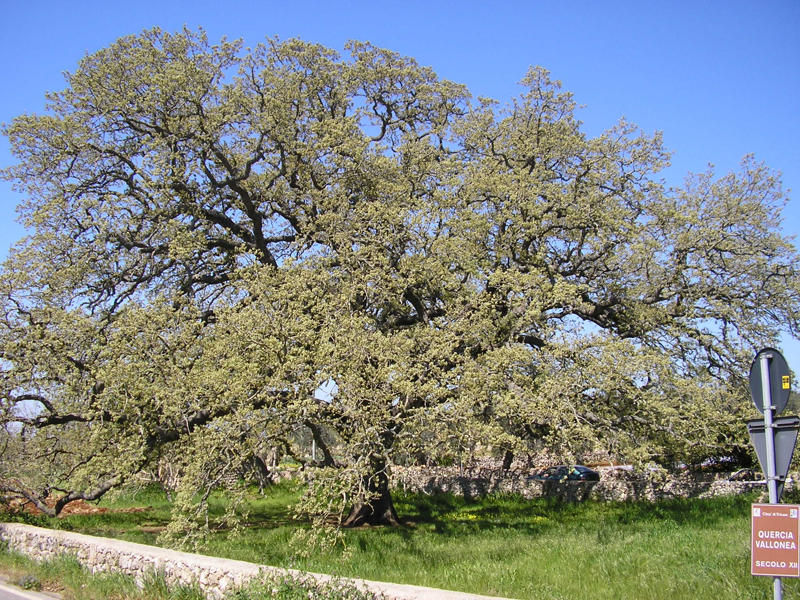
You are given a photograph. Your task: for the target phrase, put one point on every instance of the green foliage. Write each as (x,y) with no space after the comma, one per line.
(155,586)
(22,516)
(300,587)
(234,252)
(29,582)
(793,404)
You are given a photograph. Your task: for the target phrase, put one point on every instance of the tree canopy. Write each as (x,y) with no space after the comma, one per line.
(231,246)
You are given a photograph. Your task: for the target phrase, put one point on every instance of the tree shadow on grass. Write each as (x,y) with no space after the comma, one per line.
(454,515)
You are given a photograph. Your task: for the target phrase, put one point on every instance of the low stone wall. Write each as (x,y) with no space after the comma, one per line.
(610,487)
(215,576)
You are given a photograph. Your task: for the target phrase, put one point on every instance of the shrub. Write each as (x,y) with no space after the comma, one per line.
(301,587)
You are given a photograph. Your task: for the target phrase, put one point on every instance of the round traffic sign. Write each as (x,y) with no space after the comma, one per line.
(779,380)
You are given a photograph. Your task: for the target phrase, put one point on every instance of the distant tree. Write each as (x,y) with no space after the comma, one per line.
(231,246)
(793,404)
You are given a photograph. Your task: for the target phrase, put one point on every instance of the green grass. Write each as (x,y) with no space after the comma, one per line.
(501,545)
(67,577)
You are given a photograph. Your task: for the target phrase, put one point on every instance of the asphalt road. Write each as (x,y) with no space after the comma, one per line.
(9,592)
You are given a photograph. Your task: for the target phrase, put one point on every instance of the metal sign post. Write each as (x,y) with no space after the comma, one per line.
(772,483)
(779,380)
(769,386)
(766,395)
(784,434)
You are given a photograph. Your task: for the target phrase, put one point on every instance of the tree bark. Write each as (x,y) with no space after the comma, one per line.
(379,508)
(327,457)
(508,459)
(260,472)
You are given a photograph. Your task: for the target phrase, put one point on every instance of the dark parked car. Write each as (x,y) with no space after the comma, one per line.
(567,473)
(746,475)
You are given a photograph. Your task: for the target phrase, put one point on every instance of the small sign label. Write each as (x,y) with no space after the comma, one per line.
(775,540)
(785,382)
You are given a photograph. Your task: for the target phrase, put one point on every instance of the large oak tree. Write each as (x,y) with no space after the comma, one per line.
(229,246)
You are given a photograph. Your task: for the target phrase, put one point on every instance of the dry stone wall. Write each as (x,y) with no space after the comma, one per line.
(611,487)
(215,576)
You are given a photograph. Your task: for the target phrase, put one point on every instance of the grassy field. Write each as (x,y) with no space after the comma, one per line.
(502,545)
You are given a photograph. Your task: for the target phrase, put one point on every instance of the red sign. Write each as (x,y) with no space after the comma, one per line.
(775,540)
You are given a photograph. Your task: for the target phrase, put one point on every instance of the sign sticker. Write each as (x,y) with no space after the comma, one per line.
(785,382)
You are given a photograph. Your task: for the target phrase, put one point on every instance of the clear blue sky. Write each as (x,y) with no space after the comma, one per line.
(720,78)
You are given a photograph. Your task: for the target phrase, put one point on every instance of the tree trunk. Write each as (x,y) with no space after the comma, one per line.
(260,472)
(508,458)
(327,457)
(379,509)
